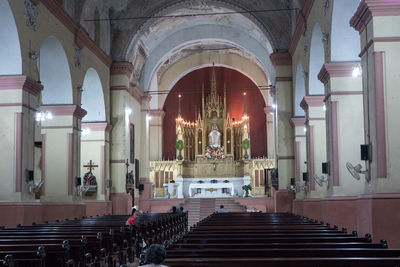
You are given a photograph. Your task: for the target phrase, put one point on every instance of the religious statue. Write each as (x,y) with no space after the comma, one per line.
(214,137)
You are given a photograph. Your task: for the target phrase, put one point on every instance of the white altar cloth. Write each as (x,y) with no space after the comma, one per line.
(211,185)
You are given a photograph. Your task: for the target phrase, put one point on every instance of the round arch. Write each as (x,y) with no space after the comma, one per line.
(345,41)
(199,33)
(299,91)
(10,49)
(93,97)
(191,63)
(57,84)
(317,59)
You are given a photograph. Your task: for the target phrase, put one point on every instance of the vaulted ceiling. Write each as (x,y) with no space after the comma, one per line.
(152,33)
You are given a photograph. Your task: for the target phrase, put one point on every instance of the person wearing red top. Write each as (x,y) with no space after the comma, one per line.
(132,220)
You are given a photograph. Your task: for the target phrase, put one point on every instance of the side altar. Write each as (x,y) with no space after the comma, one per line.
(213,154)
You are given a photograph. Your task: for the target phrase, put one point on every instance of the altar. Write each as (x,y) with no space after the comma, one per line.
(213,154)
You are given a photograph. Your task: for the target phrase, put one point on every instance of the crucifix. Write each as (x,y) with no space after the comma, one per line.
(90,166)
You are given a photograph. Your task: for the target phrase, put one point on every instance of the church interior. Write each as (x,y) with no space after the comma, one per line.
(275,106)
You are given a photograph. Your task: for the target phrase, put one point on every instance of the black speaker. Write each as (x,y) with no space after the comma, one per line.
(292,181)
(141,187)
(305,176)
(325,167)
(30,175)
(137,173)
(109,183)
(78,181)
(365,150)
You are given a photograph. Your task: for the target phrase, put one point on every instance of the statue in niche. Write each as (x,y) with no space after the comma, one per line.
(214,137)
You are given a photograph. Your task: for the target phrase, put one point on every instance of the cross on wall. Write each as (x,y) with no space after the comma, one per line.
(90,165)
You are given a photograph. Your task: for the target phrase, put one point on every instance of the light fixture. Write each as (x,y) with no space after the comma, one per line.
(357,71)
(43,116)
(274,106)
(148,117)
(128,111)
(305,129)
(324,107)
(85,131)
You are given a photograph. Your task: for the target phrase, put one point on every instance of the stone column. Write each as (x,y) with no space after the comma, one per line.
(18,103)
(270,119)
(300,153)
(61,153)
(95,146)
(284,106)
(316,142)
(156,133)
(121,113)
(345,126)
(377,22)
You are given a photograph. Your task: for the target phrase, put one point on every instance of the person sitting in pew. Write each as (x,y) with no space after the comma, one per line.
(155,256)
(173,209)
(222,209)
(132,220)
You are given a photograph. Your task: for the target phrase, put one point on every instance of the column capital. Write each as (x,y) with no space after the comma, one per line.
(157,113)
(97,126)
(371,8)
(312,101)
(18,82)
(121,68)
(65,110)
(297,121)
(336,69)
(281,59)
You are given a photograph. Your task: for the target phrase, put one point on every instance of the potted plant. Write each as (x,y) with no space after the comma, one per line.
(247,189)
(246,145)
(179,147)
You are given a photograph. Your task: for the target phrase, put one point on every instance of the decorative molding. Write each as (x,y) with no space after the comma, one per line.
(97,126)
(378,40)
(82,37)
(373,8)
(283,79)
(119,161)
(157,113)
(297,121)
(300,25)
(121,68)
(65,110)
(31,14)
(281,59)
(286,158)
(328,96)
(336,69)
(312,101)
(268,109)
(20,82)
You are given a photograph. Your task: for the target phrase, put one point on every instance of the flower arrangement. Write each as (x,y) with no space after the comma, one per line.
(214,153)
(247,189)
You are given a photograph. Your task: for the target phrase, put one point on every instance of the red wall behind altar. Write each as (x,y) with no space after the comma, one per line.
(189,87)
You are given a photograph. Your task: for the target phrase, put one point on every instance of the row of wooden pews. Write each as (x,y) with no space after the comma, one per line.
(88,242)
(260,239)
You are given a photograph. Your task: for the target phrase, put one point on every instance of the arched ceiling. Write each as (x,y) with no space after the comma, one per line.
(149,33)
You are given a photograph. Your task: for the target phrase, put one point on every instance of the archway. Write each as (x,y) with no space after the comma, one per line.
(300,90)
(93,97)
(317,59)
(55,73)
(345,41)
(10,50)
(236,83)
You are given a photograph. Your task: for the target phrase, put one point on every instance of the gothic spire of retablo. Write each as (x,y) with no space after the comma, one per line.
(213,84)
